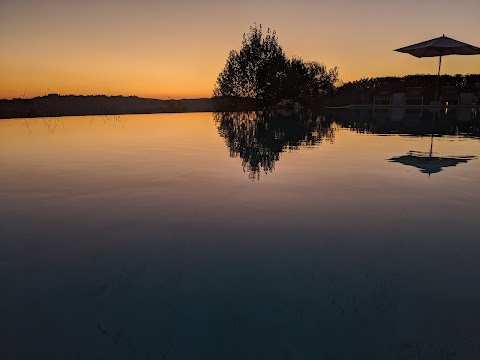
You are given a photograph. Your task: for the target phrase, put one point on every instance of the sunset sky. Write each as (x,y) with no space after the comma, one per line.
(176,49)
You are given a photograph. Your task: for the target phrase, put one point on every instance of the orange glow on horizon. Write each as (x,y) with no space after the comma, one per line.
(161,51)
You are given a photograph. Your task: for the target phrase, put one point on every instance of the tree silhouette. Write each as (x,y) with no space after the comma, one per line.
(261,71)
(306,82)
(256,71)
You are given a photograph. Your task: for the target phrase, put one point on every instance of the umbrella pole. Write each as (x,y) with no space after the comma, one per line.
(436,97)
(431,138)
(431,145)
(438,77)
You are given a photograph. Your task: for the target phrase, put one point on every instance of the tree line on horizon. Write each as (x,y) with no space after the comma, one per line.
(362,91)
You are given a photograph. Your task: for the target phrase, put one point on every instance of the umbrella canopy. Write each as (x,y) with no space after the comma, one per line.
(440,46)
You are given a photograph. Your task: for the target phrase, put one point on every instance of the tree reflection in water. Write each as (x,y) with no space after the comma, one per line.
(259,137)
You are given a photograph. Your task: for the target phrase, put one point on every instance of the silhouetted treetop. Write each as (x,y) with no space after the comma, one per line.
(261,71)
(255,71)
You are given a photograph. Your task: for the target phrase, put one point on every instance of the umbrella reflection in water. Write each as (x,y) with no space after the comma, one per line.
(426,162)
(429,164)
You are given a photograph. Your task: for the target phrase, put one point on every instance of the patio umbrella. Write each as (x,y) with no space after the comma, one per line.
(440,46)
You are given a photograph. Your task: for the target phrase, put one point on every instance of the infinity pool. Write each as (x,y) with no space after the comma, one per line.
(240,236)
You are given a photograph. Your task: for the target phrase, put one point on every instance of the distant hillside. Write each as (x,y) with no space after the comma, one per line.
(72,105)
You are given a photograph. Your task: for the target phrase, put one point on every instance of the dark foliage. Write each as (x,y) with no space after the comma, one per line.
(362,91)
(307,82)
(261,71)
(256,71)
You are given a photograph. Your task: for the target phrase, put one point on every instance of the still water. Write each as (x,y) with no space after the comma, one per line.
(240,236)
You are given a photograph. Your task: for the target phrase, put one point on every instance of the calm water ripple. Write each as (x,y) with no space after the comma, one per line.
(241,236)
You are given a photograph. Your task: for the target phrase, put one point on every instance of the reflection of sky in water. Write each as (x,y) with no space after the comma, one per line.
(142,238)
